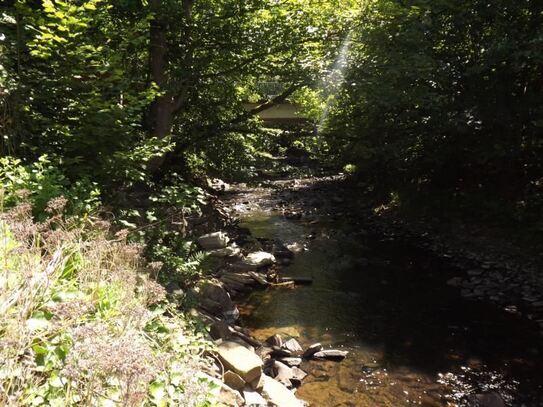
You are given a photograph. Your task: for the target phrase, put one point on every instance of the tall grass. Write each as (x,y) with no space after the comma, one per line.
(83,323)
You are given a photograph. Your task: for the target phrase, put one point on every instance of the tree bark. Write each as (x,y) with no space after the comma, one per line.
(161,111)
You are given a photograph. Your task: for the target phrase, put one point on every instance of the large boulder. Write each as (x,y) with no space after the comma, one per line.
(278,394)
(213,241)
(259,259)
(214,298)
(240,360)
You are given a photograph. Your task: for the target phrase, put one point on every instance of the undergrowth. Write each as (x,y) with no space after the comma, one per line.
(83,321)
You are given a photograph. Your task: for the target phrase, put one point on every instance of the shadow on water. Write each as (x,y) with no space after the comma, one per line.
(412,339)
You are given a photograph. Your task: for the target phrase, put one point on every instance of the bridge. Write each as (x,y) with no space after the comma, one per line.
(281,113)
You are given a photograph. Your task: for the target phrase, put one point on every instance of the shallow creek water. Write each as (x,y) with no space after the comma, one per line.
(412,339)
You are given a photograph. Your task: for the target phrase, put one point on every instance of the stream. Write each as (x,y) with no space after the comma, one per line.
(412,339)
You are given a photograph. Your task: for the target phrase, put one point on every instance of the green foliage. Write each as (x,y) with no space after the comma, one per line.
(444,96)
(84,324)
(40,182)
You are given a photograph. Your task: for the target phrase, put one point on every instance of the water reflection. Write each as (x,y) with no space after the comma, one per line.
(412,339)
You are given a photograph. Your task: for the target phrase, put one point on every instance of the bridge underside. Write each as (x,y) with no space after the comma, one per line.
(283,113)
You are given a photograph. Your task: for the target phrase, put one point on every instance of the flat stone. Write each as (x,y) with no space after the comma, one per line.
(331,354)
(297,280)
(282,373)
(278,394)
(226,252)
(293,347)
(213,241)
(280,352)
(242,278)
(242,266)
(316,347)
(240,360)
(291,361)
(253,399)
(258,278)
(259,259)
(234,380)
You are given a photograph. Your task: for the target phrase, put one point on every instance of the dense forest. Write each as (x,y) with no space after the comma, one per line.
(117,117)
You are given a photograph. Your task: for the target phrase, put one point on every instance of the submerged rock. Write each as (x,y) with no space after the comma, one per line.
(491,399)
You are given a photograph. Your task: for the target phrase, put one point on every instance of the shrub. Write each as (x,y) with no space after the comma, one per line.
(41,181)
(84,323)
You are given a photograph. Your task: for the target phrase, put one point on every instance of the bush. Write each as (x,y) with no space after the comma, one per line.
(42,181)
(83,321)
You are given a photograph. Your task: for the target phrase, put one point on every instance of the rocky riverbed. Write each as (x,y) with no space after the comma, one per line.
(436,358)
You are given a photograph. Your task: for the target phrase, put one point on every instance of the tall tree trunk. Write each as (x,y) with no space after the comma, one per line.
(161,111)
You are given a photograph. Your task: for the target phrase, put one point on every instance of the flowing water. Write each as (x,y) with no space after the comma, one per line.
(412,340)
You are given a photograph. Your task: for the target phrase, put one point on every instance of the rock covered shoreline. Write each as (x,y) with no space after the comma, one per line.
(251,373)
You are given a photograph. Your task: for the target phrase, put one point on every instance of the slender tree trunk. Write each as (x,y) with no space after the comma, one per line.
(161,111)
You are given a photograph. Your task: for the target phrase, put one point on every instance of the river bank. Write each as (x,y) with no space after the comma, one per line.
(424,362)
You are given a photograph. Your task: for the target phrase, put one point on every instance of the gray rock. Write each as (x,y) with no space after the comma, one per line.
(293,347)
(240,360)
(298,376)
(258,278)
(316,347)
(259,259)
(282,373)
(275,340)
(491,399)
(331,354)
(290,361)
(278,394)
(253,399)
(297,280)
(226,252)
(234,380)
(214,298)
(220,330)
(213,241)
